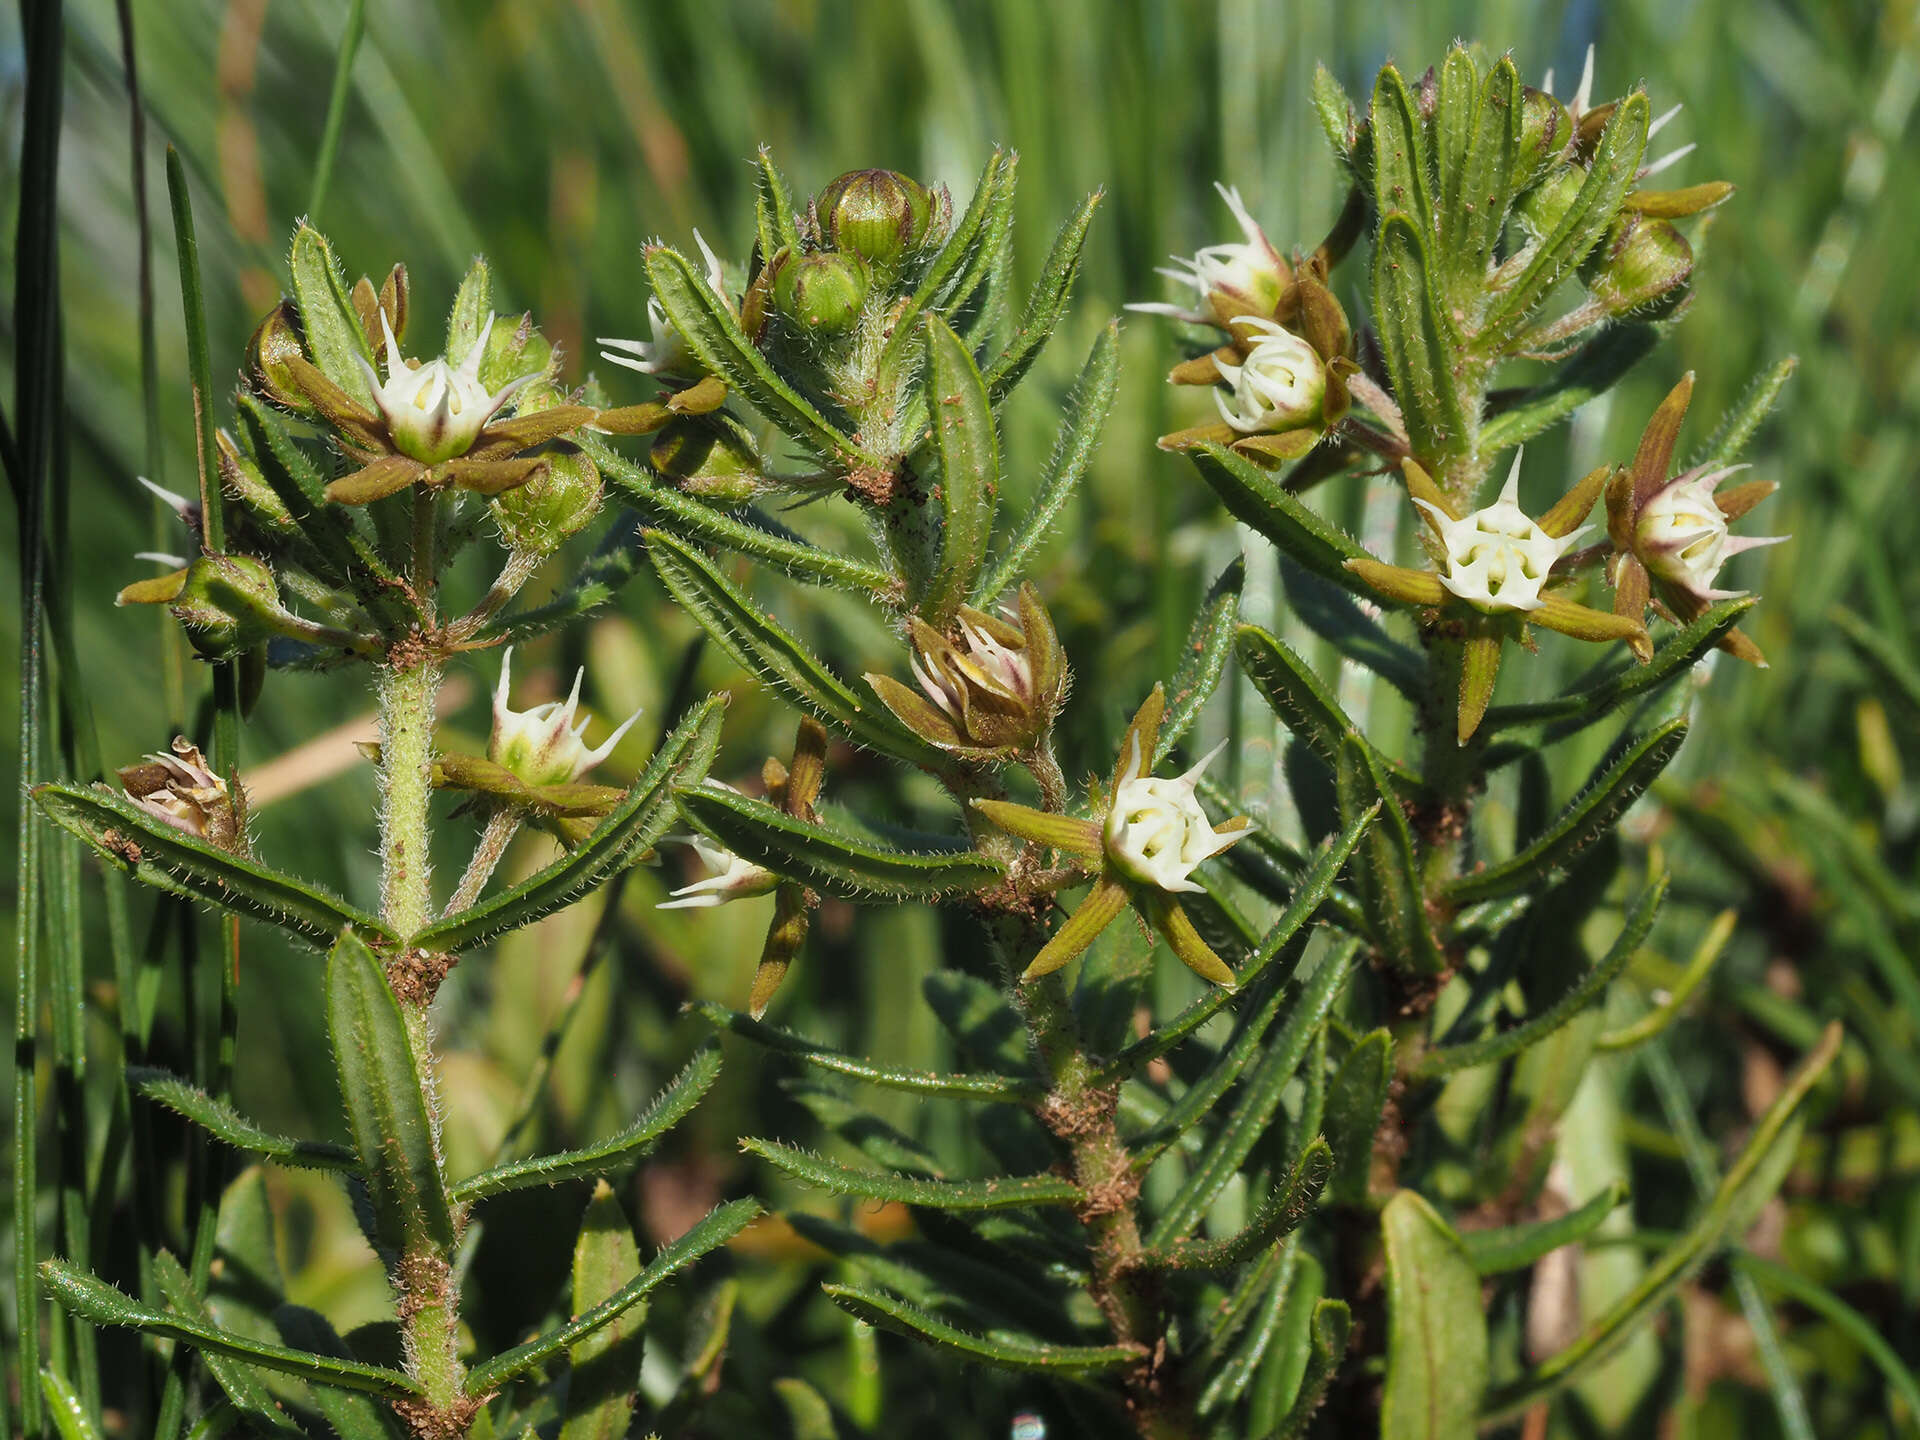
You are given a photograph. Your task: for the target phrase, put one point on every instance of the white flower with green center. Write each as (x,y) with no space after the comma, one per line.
(666,354)
(1681,534)
(1156,833)
(1498,558)
(435,411)
(732,879)
(1281,385)
(1250,271)
(543,746)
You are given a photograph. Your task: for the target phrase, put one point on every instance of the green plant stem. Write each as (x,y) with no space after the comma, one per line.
(502,825)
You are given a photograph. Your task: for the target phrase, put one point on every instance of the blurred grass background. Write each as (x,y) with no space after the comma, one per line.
(558,135)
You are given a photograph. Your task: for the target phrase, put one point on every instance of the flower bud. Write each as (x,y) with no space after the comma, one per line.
(822,294)
(228,604)
(1642,266)
(559,501)
(709,456)
(878,215)
(181,790)
(1545,129)
(1281,385)
(1542,208)
(274,343)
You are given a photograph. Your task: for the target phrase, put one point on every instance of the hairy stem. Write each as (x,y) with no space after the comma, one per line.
(502,825)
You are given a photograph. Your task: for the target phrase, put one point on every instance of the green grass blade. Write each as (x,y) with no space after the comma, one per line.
(336,107)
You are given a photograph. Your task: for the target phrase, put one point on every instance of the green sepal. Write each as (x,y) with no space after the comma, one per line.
(1356,1097)
(1330,1327)
(1479,669)
(1203,659)
(1001,1193)
(1046,302)
(712,334)
(157,854)
(1004,1349)
(629,831)
(1233,1139)
(1615,785)
(1278,1217)
(755,535)
(710,1234)
(768,651)
(612,1156)
(1259,498)
(1436,1327)
(1085,416)
(1495,1252)
(840,864)
(1595,368)
(1748,1182)
(1099,909)
(226,1124)
(1068,833)
(1000,1088)
(101,1304)
(1386,874)
(1417,338)
(1436,1064)
(382,1087)
(605,1365)
(328,320)
(966,455)
(1610,175)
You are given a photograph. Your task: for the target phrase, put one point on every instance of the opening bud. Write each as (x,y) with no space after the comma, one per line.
(228,604)
(559,501)
(1643,266)
(878,215)
(822,294)
(709,456)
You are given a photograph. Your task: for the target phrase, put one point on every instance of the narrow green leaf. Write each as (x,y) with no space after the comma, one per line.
(1597,367)
(240,1383)
(808,1414)
(1856,1327)
(1257,497)
(966,455)
(1506,1043)
(1595,811)
(774,208)
(1385,873)
(1436,1328)
(615,1154)
(95,1300)
(1046,303)
(1335,110)
(1616,161)
(641,818)
(1338,620)
(1402,176)
(1203,658)
(1417,338)
(838,863)
(1892,673)
(1005,1349)
(1298,696)
(353,1414)
(1232,1375)
(1004,1193)
(1306,898)
(327,318)
(1477,208)
(1738,425)
(606,1363)
(151,851)
(225,1123)
(1331,1326)
(969,297)
(999,1088)
(1749,1181)
(472,304)
(936,284)
(1356,1097)
(685,516)
(1577,709)
(1456,138)
(711,332)
(1494,1252)
(382,1088)
(1228,1147)
(70,1417)
(766,650)
(710,1234)
(1084,418)
(1277,1218)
